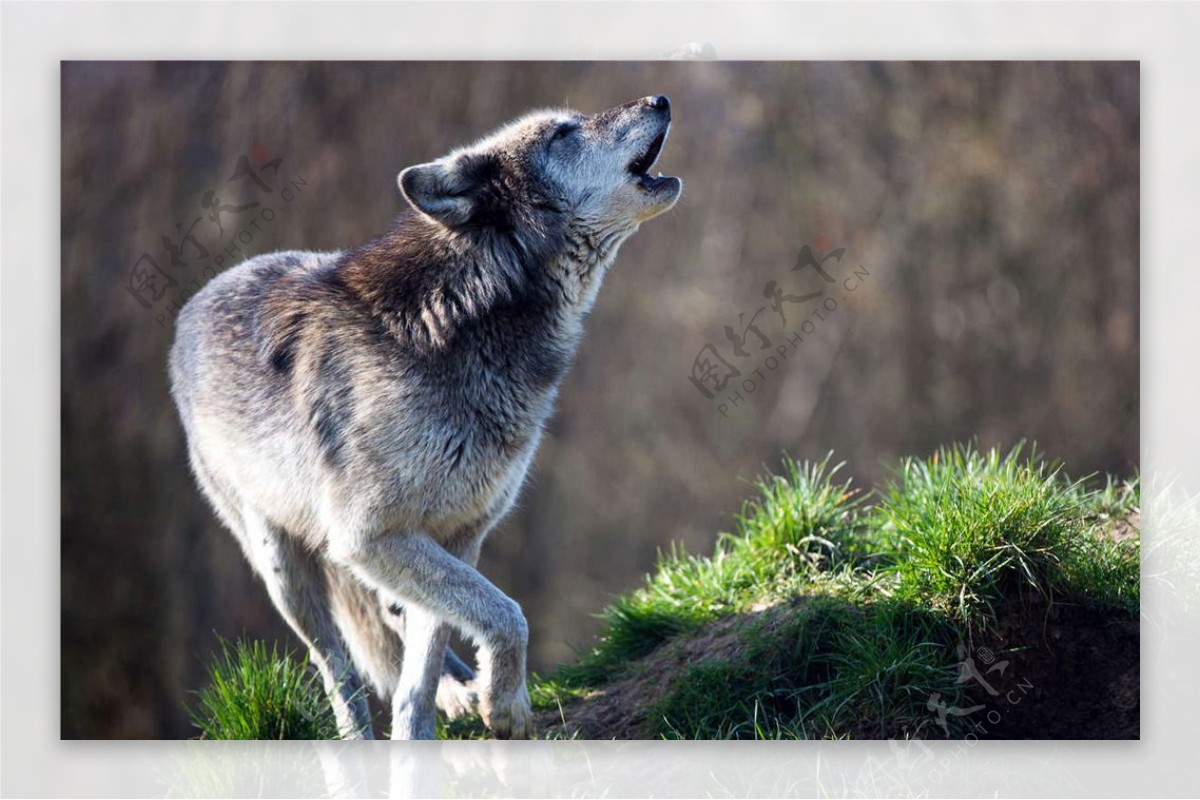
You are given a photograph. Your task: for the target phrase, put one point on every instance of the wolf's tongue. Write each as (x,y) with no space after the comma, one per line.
(650,182)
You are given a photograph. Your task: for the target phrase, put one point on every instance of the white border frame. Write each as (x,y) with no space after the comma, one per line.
(33,39)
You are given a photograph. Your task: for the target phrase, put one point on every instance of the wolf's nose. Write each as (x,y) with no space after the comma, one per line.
(660,102)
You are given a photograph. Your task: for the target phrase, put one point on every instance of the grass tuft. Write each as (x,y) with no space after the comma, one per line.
(967,531)
(256,693)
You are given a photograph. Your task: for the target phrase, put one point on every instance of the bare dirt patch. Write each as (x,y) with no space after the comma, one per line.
(619,710)
(1073,673)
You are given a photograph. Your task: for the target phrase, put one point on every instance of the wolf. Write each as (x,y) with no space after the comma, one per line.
(360,420)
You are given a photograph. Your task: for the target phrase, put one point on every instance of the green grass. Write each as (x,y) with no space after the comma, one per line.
(966,531)
(829,612)
(256,693)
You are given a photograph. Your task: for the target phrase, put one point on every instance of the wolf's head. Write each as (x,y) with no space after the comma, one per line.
(554,176)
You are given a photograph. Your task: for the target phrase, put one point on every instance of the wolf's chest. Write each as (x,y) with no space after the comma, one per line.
(475,475)
(467,454)
(467,422)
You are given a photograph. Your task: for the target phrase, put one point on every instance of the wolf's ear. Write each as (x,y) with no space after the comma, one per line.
(439,189)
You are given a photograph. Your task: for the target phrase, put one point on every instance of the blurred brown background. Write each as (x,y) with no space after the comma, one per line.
(995,207)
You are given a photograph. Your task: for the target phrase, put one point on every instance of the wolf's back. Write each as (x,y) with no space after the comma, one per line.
(220,331)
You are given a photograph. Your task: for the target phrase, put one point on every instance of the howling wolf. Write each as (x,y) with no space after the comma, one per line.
(360,420)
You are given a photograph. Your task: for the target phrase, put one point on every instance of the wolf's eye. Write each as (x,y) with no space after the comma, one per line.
(564,130)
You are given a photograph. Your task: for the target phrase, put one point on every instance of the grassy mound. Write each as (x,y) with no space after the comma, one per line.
(977,593)
(834,614)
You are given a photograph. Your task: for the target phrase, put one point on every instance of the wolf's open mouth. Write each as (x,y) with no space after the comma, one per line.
(639,166)
(646,160)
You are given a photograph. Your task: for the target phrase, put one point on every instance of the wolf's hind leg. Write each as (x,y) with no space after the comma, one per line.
(456,692)
(374,646)
(296,583)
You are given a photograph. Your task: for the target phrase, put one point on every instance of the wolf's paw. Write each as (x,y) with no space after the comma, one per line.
(511,717)
(456,698)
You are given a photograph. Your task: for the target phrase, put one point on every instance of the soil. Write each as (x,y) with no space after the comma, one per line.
(1073,673)
(618,710)
(1127,528)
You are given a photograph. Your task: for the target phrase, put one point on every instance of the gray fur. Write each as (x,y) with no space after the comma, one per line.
(360,420)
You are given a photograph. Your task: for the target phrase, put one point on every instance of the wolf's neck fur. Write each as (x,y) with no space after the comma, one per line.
(584,260)
(435,290)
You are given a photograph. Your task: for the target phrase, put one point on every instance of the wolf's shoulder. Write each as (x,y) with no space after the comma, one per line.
(263,273)
(261,305)
(249,287)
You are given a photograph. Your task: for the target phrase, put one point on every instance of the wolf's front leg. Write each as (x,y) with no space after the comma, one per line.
(414,710)
(419,572)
